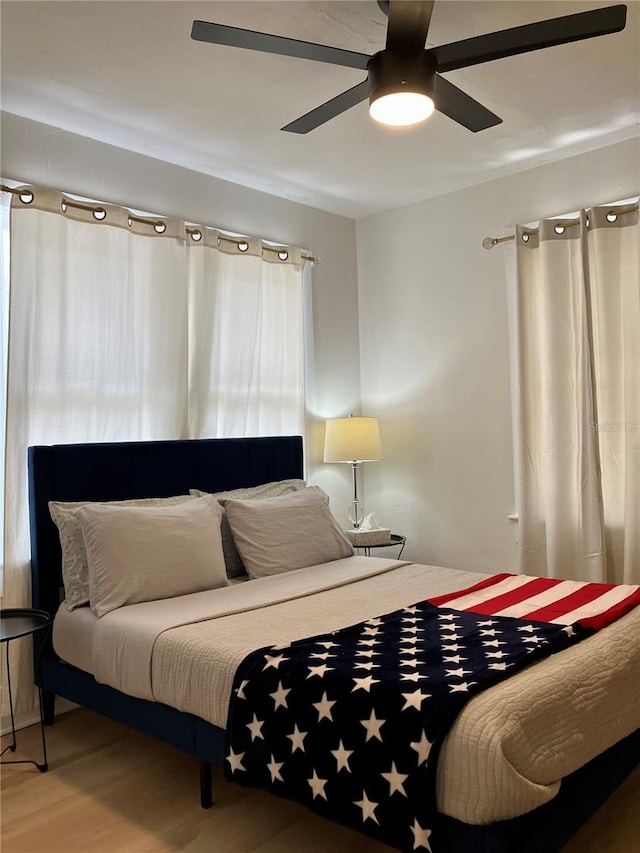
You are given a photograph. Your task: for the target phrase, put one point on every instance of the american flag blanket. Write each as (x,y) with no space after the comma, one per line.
(350,723)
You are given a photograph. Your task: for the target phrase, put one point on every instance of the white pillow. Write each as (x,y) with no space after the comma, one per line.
(145,553)
(235,567)
(75,573)
(288,532)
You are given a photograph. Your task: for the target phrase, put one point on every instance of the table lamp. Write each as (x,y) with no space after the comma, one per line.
(352,440)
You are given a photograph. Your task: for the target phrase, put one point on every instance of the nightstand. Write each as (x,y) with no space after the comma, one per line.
(396,540)
(14,624)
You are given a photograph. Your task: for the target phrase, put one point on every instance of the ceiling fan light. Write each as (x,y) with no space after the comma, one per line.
(401,109)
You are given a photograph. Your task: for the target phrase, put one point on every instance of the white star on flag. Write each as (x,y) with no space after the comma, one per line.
(235,761)
(528,628)
(280,696)
(463,687)
(420,836)
(368,665)
(486,623)
(569,631)
(414,700)
(396,780)
(495,654)
(274,768)
(371,630)
(324,707)
(453,659)
(321,655)
(532,639)
(488,632)
(497,666)
(493,643)
(255,728)
(411,676)
(369,653)
(451,647)
(341,756)
(367,642)
(297,739)
(446,616)
(319,670)
(272,660)
(240,691)
(373,726)
(422,747)
(368,808)
(365,683)
(327,645)
(317,786)
(458,673)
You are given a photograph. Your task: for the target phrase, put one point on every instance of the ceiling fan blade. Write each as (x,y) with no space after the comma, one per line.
(340,104)
(250,40)
(583,25)
(408,24)
(459,106)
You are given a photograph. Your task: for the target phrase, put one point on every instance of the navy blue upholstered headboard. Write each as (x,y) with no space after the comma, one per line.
(118,471)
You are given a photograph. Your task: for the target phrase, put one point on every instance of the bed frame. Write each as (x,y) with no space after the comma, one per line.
(117,471)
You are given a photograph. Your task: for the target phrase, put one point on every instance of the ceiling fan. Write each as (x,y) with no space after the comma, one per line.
(404,83)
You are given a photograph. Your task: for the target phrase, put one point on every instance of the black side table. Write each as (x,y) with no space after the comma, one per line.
(16,623)
(395,539)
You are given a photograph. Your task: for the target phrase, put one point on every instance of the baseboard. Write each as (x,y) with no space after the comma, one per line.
(31,718)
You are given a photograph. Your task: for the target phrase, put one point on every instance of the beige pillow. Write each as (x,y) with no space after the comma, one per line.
(288,532)
(145,553)
(75,574)
(235,566)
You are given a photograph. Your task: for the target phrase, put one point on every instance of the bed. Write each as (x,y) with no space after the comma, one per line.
(537,808)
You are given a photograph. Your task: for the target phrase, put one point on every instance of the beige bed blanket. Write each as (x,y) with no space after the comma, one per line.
(509,748)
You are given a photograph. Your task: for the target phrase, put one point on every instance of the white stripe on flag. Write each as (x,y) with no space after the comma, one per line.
(471,599)
(598,605)
(541,599)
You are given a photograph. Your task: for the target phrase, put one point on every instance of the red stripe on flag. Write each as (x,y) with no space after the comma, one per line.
(514,596)
(439,600)
(613,613)
(553,610)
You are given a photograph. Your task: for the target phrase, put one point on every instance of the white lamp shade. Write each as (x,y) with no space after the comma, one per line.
(352,440)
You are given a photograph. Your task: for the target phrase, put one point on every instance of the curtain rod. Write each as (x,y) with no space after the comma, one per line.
(158,224)
(490,242)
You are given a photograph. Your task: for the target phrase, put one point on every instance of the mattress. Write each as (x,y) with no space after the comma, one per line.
(509,748)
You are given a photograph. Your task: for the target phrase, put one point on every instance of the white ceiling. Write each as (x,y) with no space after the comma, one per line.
(128,73)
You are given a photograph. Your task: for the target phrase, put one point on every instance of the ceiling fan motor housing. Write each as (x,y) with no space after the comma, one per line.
(393,71)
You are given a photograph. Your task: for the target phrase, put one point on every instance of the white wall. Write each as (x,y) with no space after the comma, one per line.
(434,353)
(38,154)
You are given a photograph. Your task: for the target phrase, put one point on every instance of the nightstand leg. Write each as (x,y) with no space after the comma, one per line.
(13,744)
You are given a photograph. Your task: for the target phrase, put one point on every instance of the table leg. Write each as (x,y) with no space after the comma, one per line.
(12,746)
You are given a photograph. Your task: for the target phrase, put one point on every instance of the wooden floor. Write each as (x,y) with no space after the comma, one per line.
(109,790)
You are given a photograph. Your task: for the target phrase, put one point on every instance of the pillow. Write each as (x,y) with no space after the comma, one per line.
(235,566)
(144,553)
(75,574)
(292,531)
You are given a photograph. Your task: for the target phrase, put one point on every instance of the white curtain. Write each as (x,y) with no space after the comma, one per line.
(246,332)
(97,352)
(578,387)
(117,332)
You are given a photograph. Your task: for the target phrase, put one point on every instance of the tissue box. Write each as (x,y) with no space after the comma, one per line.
(366,538)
